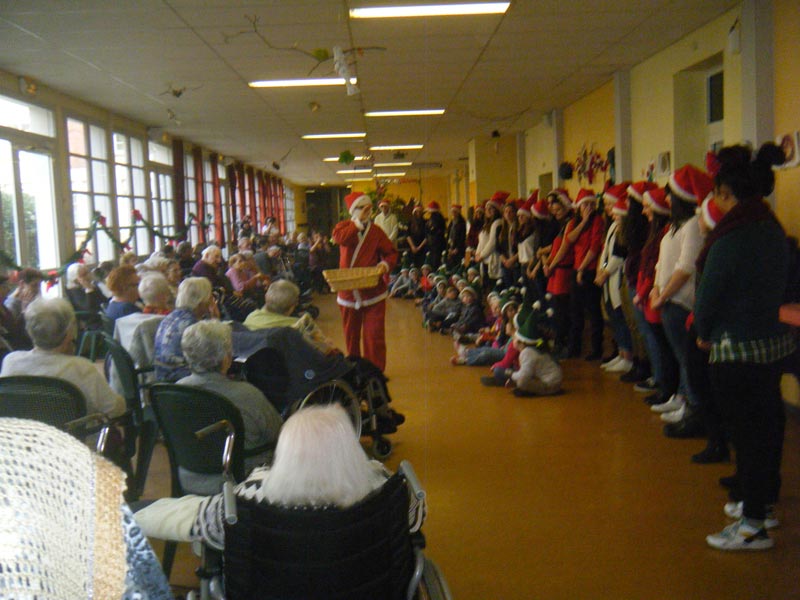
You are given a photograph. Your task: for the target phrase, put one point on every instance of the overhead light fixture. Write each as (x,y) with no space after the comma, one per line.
(284,83)
(332,136)
(402,147)
(336,158)
(405,113)
(430,10)
(393,164)
(403,174)
(353,171)
(359,179)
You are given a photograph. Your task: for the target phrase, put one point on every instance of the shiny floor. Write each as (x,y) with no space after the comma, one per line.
(575,497)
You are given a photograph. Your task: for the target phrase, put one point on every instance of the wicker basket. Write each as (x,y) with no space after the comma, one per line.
(356,278)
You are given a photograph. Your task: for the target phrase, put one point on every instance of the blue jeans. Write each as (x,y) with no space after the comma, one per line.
(674,317)
(650,342)
(622,335)
(483,356)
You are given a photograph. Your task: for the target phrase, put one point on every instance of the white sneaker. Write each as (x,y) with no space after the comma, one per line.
(734,510)
(613,362)
(740,536)
(674,416)
(622,366)
(674,403)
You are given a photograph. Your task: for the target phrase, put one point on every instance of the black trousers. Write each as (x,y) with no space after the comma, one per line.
(749,397)
(585,299)
(560,304)
(698,371)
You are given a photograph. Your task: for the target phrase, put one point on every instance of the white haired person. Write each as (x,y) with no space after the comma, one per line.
(318,462)
(363,244)
(51,325)
(68,533)
(193,303)
(82,289)
(208,349)
(136,332)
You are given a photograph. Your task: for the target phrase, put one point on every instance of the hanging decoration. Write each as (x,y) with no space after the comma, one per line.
(589,164)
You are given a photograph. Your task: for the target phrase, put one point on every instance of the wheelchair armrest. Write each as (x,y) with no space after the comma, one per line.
(418,509)
(97,423)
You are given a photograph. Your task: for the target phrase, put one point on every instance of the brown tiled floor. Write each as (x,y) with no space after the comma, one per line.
(576,497)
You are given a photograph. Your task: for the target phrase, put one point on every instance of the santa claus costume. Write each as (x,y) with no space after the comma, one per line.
(364,244)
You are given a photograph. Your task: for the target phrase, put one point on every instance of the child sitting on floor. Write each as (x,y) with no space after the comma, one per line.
(401,284)
(445,310)
(470,318)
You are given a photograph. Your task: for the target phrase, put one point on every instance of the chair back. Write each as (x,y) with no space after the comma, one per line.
(44,399)
(183,410)
(266,369)
(362,552)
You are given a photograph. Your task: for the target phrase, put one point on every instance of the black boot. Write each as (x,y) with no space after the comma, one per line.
(691,426)
(714,452)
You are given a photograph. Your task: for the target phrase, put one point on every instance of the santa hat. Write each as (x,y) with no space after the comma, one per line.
(539,209)
(456,207)
(432,206)
(710,212)
(356,201)
(615,192)
(691,184)
(497,200)
(620,207)
(534,196)
(657,200)
(525,209)
(383,202)
(637,189)
(562,196)
(585,195)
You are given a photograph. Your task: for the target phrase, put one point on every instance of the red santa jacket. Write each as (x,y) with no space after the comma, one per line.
(363,249)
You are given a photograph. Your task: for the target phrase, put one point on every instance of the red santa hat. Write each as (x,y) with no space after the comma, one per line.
(534,197)
(525,209)
(585,195)
(383,202)
(710,212)
(433,206)
(356,201)
(456,207)
(637,189)
(562,196)
(691,184)
(620,207)
(539,209)
(617,192)
(497,200)
(657,201)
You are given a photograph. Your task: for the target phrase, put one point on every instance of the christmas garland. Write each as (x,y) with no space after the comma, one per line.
(99,222)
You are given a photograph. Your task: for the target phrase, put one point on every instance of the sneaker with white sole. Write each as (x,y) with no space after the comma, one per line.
(622,366)
(674,403)
(674,416)
(613,362)
(740,536)
(734,510)
(647,386)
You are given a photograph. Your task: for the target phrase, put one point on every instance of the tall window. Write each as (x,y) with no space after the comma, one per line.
(191,198)
(162,201)
(130,186)
(288,208)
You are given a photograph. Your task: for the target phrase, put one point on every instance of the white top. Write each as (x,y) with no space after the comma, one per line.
(487,248)
(536,365)
(389,225)
(613,265)
(79,371)
(679,251)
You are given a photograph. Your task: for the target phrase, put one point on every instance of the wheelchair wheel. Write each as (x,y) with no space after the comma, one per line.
(381,448)
(339,391)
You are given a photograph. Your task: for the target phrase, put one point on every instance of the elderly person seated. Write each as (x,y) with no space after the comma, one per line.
(124,285)
(209,267)
(193,303)
(244,275)
(136,332)
(318,462)
(52,327)
(12,328)
(207,347)
(29,283)
(82,289)
(280,302)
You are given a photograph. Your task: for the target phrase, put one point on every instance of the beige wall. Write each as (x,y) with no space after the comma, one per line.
(652,92)
(424,190)
(589,122)
(539,153)
(787,107)
(493,165)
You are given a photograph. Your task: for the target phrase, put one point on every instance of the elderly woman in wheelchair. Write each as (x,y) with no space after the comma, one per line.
(321,484)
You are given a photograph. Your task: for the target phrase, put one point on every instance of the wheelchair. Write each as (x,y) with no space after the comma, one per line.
(292,374)
(373,549)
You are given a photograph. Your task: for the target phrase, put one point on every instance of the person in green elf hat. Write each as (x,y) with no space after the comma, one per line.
(538,374)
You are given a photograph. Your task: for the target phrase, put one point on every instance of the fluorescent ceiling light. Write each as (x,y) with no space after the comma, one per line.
(348,171)
(405,113)
(403,174)
(359,179)
(430,10)
(393,164)
(404,147)
(282,83)
(336,158)
(332,136)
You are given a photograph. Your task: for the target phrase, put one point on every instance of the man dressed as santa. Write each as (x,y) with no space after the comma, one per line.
(364,244)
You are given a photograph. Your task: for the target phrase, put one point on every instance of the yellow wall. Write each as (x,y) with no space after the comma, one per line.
(493,165)
(539,153)
(423,190)
(589,122)
(787,107)
(652,92)
(300,207)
